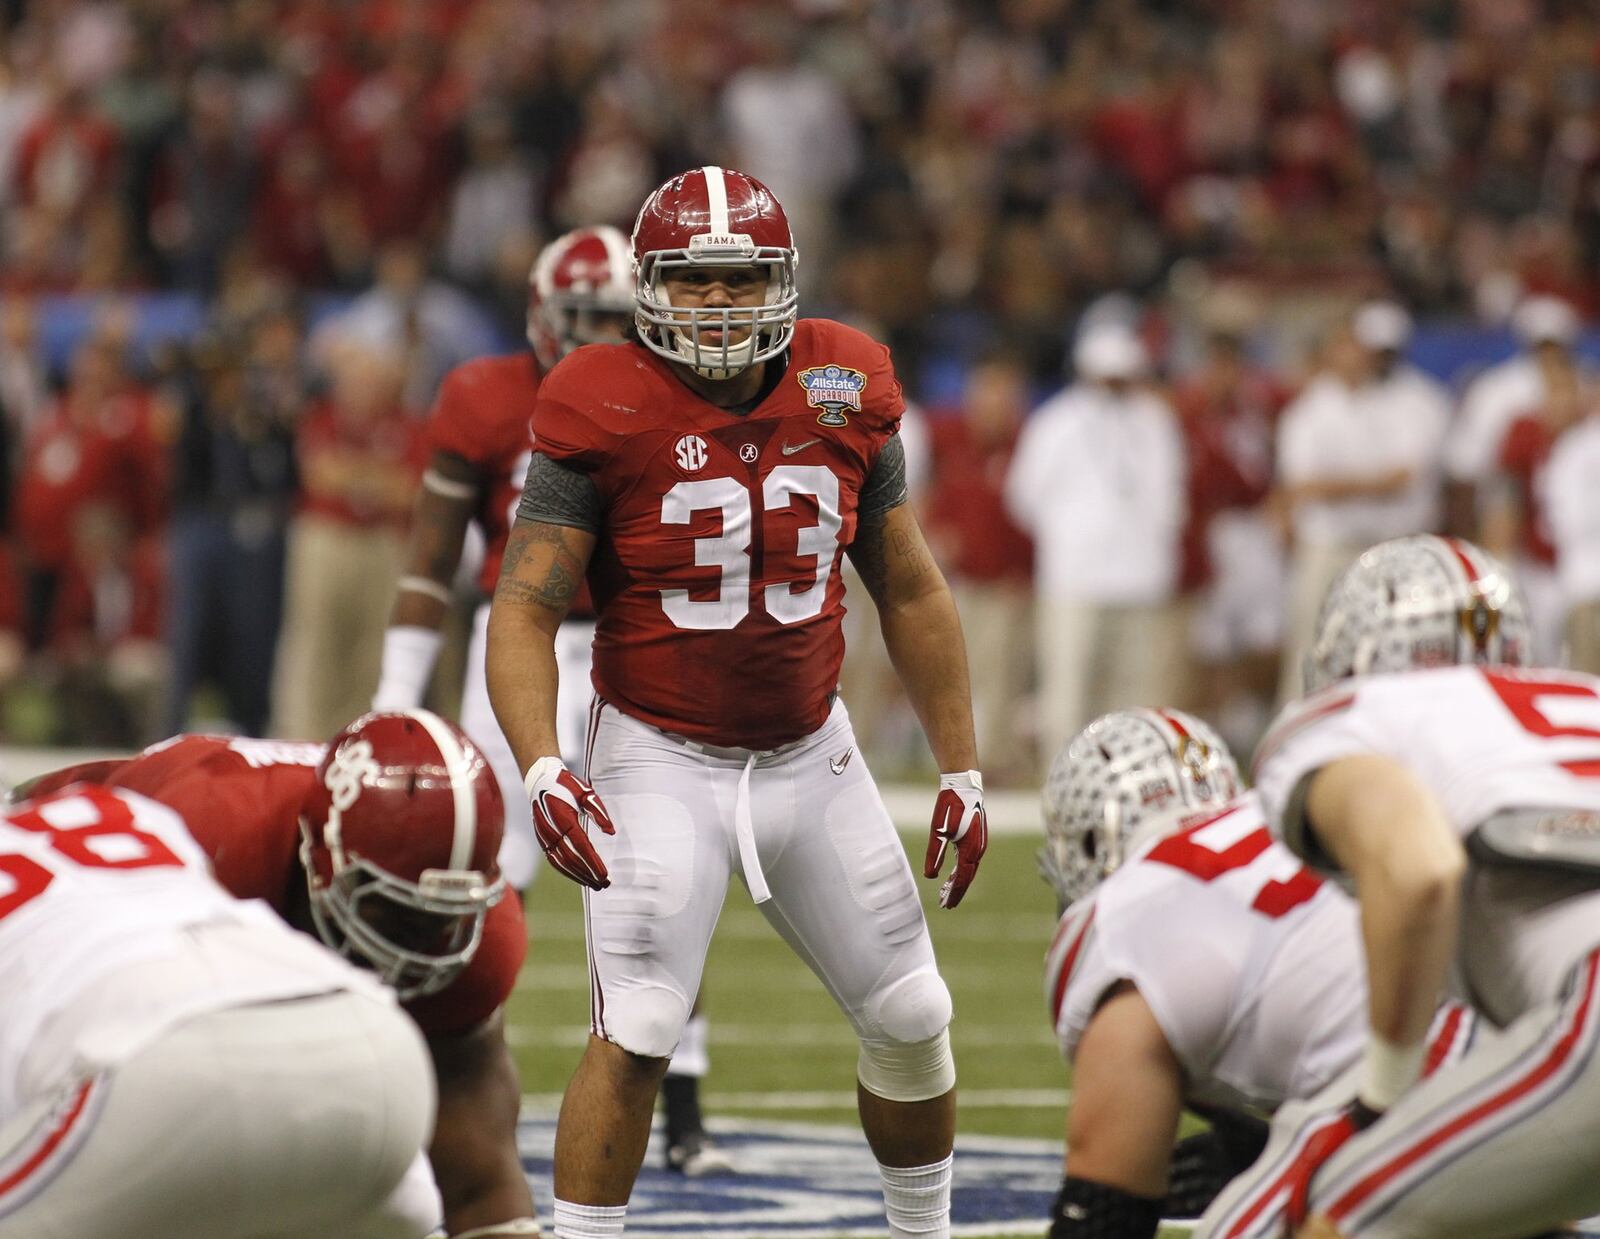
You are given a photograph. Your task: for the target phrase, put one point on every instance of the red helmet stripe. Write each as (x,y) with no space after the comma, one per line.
(457,765)
(1474,578)
(1172,721)
(716,198)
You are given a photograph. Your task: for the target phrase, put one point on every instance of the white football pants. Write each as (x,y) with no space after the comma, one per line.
(300,1119)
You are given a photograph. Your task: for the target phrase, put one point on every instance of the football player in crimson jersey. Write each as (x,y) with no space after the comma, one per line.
(383,843)
(580,291)
(1460,793)
(705,477)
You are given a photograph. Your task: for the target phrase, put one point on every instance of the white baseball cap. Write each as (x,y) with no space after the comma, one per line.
(1109,351)
(1383,326)
(1543,319)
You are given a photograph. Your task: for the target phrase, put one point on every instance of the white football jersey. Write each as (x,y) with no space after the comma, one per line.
(1483,739)
(94,880)
(1249,961)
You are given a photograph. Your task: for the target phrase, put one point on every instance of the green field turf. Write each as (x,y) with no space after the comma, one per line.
(779,1047)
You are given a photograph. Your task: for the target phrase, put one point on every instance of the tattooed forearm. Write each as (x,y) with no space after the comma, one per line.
(910,551)
(867,554)
(542,566)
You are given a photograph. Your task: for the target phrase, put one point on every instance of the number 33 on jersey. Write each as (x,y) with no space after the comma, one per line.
(716,576)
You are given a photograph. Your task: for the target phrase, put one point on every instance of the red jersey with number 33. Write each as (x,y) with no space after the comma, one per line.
(241,801)
(716,575)
(483,413)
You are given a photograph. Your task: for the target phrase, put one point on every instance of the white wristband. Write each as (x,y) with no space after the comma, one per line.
(1389,1070)
(409,652)
(962,780)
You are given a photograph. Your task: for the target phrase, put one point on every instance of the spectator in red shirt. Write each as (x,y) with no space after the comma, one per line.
(988,559)
(1232,557)
(94,445)
(360,457)
(106,645)
(1519,527)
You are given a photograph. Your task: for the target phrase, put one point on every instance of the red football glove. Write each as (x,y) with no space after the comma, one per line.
(958,818)
(1336,1129)
(560,801)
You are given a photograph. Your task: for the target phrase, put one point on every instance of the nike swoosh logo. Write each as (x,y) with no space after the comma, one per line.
(789,449)
(837,764)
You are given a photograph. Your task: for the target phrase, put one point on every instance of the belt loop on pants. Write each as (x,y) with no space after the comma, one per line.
(744,830)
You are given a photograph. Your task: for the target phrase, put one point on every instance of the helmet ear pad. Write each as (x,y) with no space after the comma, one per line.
(400,833)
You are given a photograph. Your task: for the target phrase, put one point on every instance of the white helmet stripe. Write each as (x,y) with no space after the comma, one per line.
(716,198)
(456,764)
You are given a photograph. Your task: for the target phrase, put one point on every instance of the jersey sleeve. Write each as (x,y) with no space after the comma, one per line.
(1343,720)
(482,989)
(1188,980)
(568,426)
(454,425)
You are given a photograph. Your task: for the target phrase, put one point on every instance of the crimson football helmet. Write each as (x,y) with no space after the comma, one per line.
(714,217)
(399,837)
(578,280)
(1419,601)
(1128,776)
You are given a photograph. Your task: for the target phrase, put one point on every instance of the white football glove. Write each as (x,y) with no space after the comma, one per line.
(958,818)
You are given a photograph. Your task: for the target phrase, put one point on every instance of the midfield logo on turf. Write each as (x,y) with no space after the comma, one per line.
(799,1181)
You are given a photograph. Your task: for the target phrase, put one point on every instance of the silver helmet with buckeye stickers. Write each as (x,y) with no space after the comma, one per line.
(1421,601)
(1127,777)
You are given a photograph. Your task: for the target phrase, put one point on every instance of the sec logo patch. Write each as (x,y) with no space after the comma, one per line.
(690,453)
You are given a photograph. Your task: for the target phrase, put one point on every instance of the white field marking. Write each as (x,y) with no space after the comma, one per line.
(845,1099)
(765,978)
(831,1035)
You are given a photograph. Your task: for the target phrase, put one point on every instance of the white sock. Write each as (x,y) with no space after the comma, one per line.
(587,1221)
(693,1056)
(916,1200)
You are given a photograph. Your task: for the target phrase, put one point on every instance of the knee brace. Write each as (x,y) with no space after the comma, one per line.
(907,1070)
(647,1022)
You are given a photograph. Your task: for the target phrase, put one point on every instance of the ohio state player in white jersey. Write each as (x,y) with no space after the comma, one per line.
(1464,802)
(177,1062)
(1197,963)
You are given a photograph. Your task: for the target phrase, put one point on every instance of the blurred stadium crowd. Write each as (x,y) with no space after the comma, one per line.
(1156,272)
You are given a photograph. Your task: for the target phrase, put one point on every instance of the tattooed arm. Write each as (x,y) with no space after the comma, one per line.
(920,629)
(541,575)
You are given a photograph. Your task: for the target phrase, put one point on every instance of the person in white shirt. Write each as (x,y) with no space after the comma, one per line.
(1358,460)
(1098,481)
(1496,398)
(1571,486)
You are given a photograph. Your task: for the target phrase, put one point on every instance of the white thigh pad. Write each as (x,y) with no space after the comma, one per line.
(907,1070)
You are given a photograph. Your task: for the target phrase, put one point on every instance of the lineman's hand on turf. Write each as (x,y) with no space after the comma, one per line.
(958,818)
(561,801)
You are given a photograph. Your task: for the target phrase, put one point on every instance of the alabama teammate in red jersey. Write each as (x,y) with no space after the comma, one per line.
(705,476)
(382,843)
(580,291)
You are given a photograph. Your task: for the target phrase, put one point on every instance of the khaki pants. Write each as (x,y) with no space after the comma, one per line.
(996,621)
(338,590)
(1583,636)
(1094,659)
